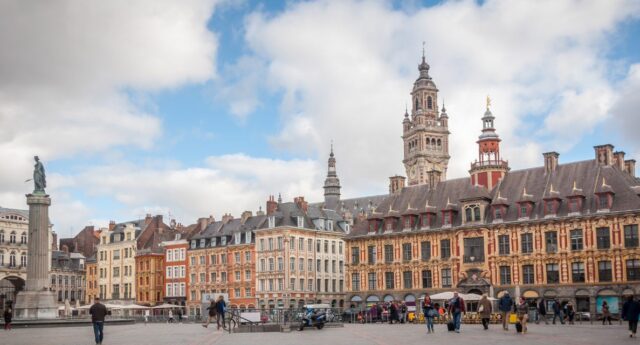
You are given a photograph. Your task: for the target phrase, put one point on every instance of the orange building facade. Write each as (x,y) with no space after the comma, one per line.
(149,278)
(176,271)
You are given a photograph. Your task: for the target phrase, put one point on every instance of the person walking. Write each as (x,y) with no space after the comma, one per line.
(211,311)
(504,306)
(146,317)
(98,311)
(557,312)
(403,313)
(393,312)
(429,310)
(170,320)
(570,312)
(606,314)
(457,308)
(542,312)
(180,315)
(484,309)
(8,315)
(522,312)
(630,313)
(221,307)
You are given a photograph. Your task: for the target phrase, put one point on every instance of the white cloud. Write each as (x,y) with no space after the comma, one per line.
(625,112)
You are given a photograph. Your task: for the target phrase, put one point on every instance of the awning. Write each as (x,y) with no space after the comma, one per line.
(373,298)
(607,292)
(356,299)
(550,293)
(530,294)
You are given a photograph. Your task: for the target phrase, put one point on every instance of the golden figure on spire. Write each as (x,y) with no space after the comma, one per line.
(488,102)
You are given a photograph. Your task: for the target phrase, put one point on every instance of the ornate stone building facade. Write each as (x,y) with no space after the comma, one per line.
(68,277)
(149,277)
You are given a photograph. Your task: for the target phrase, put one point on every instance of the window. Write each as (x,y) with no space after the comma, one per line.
(292,264)
(326,265)
(503,245)
(527,243)
(372,281)
(553,276)
(247,275)
(505,275)
(272,266)
(427,281)
(603,201)
(577,272)
(116,272)
(339,247)
(445,250)
(446,277)
(371,254)
(551,241)
(528,275)
(310,245)
(23,259)
(355,255)
(388,253)
(524,211)
(272,221)
(23,238)
(425,250)
(406,252)
(116,254)
(497,213)
(318,246)
(429,102)
(333,247)
(633,270)
(326,246)
(280,264)
(340,266)
(301,244)
(310,265)
(355,282)
(318,265)
(576,239)
(603,238)
(301,265)
(223,277)
(604,271)
(203,278)
(389,280)
(202,260)
(407,279)
(280,243)
(12,237)
(300,222)
(446,218)
(473,249)
(270,241)
(631,236)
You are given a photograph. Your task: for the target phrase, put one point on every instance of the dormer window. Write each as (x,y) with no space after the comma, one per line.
(193,244)
(407,222)
(202,241)
(575,204)
(272,221)
(524,210)
(472,213)
(551,207)
(347,228)
(604,201)
(497,213)
(446,218)
(329,225)
(300,221)
(214,242)
(427,220)
(247,238)
(238,237)
(223,241)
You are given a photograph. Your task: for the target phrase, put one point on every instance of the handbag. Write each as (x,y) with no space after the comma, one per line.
(481,309)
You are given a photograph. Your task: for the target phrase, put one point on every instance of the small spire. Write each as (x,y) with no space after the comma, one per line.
(406,110)
(279,198)
(423,43)
(444,110)
(331,154)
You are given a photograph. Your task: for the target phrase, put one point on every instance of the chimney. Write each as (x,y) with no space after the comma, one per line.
(396,183)
(630,167)
(618,159)
(604,154)
(226,218)
(245,215)
(54,241)
(434,178)
(147,219)
(112,225)
(272,205)
(303,205)
(203,222)
(550,161)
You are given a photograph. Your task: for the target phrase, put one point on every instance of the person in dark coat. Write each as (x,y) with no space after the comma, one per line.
(8,315)
(504,305)
(98,311)
(557,312)
(211,311)
(456,309)
(393,312)
(542,312)
(606,314)
(221,308)
(630,312)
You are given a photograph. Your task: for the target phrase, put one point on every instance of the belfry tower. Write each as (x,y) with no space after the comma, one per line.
(489,168)
(425,133)
(331,184)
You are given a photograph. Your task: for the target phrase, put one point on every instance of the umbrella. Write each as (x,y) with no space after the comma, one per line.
(133,306)
(443,296)
(167,306)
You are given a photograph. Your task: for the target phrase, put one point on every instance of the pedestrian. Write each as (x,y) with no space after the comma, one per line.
(98,311)
(457,308)
(606,314)
(8,314)
(146,317)
(522,312)
(170,320)
(429,310)
(485,309)
(211,312)
(221,308)
(378,312)
(504,306)
(570,312)
(557,312)
(393,312)
(403,313)
(542,312)
(630,312)
(180,315)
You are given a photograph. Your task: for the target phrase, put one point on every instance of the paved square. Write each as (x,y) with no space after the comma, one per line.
(377,334)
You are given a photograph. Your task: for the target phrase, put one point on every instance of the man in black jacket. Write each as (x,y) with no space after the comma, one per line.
(542,312)
(98,311)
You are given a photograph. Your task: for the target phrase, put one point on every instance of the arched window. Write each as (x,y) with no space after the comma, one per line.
(468,214)
(433,142)
(439,144)
(12,259)
(59,280)
(429,102)
(428,142)
(476,213)
(12,237)
(23,238)
(1,236)
(23,259)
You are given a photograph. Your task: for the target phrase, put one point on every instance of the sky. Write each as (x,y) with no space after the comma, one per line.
(206,107)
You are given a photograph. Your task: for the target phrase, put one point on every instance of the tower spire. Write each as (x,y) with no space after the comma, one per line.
(331,183)
(489,168)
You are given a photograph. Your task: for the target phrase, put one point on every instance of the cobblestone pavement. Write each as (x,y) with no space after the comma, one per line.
(377,334)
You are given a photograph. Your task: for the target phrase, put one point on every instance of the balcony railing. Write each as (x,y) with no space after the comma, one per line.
(470,259)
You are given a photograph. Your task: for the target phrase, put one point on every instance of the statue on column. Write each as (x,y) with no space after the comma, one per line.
(39,178)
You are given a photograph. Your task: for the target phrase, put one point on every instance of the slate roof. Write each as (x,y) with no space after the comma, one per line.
(23,213)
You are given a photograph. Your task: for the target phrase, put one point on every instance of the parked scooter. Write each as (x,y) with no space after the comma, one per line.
(313,318)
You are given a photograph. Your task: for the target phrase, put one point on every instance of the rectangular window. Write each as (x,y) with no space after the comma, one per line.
(326,246)
(310,265)
(425,250)
(371,254)
(505,275)
(528,275)
(339,247)
(301,264)
(292,264)
(527,243)
(406,252)
(603,238)
(389,280)
(237,257)
(300,222)
(318,246)
(504,248)
(445,250)
(633,270)
(262,244)
(473,249)
(292,283)
(388,253)
(326,265)
(603,202)
(280,264)
(202,277)
(446,277)
(631,236)
(551,241)
(604,271)
(355,255)
(407,279)
(280,243)
(553,276)
(270,240)
(576,239)
(427,281)
(524,211)
(372,281)
(301,244)
(310,245)
(577,272)
(355,281)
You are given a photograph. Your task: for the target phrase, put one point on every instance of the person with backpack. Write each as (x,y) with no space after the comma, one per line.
(484,309)
(457,308)
(630,313)
(504,306)
(429,310)
(221,308)
(211,311)
(606,314)
(542,312)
